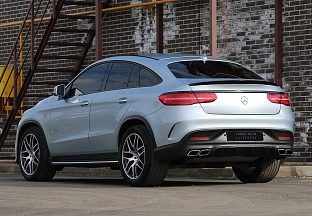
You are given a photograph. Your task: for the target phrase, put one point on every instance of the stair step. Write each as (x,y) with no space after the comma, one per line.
(60,57)
(20,108)
(46,83)
(38,95)
(73,30)
(80,3)
(8,146)
(6,158)
(24,108)
(64,16)
(12,133)
(56,70)
(67,44)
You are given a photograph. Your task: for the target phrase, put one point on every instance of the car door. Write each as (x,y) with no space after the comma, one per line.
(109,106)
(69,124)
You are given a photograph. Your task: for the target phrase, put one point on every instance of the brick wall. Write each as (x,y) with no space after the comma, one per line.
(245,34)
(297,68)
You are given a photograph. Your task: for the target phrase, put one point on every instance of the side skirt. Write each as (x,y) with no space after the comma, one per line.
(86,160)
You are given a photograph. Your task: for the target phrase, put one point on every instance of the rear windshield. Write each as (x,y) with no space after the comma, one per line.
(210,69)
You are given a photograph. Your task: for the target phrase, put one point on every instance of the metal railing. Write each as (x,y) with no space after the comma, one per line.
(16,55)
(141,5)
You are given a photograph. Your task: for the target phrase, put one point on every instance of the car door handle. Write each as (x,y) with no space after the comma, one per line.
(122,100)
(84,103)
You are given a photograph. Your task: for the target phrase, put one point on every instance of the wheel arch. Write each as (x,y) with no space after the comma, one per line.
(21,131)
(131,121)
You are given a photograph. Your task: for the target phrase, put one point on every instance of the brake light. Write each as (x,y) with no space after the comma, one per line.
(278,98)
(187,98)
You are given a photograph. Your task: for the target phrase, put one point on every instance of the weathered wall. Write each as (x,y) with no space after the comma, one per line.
(297,68)
(245,34)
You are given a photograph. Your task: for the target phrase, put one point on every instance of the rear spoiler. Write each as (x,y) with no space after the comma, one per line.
(244,81)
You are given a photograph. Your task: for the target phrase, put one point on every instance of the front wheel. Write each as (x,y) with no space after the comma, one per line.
(137,161)
(264,170)
(33,156)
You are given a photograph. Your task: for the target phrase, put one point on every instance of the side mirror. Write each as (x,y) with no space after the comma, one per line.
(59,90)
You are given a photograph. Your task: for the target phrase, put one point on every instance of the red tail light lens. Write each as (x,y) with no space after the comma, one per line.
(278,98)
(206,97)
(187,98)
(178,99)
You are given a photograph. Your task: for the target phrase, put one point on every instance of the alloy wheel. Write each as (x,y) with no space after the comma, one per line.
(133,156)
(30,154)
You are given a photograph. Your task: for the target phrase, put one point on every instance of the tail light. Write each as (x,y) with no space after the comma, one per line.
(187,98)
(278,98)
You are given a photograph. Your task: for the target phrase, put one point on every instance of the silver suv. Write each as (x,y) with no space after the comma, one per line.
(145,114)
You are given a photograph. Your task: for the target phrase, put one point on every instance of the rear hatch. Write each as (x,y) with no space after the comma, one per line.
(238,89)
(242,99)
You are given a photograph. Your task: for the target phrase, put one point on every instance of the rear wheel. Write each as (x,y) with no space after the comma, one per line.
(33,156)
(264,170)
(137,162)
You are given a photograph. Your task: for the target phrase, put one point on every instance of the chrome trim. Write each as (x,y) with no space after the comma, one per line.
(289,152)
(281,152)
(84,162)
(197,152)
(206,152)
(190,153)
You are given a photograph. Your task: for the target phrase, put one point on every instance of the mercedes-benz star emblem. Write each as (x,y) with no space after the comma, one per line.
(244,100)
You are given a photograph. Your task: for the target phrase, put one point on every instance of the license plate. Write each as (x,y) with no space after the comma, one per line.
(244,136)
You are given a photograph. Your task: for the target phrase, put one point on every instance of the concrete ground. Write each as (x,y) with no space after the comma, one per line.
(10,167)
(95,195)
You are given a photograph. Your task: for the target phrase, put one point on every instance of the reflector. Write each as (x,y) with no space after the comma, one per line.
(281,137)
(200,138)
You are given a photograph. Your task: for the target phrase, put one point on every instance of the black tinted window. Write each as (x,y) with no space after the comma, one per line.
(134,77)
(147,78)
(210,69)
(90,81)
(119,76)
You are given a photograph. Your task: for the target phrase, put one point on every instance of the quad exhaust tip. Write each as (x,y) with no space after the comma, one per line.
(198,153)
(285,152)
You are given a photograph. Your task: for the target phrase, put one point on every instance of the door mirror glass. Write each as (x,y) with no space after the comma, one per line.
(59,90)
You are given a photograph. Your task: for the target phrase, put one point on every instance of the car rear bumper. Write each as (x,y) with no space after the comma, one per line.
(171,123)
(218,149)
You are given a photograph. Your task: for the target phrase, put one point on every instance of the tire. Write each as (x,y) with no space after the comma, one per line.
(137,161)
(264,170)
(33,156)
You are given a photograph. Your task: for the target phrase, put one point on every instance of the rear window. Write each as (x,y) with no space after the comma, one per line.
(210,69)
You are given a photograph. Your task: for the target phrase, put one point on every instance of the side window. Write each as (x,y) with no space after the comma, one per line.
(119,76)
(134,80)
(147,78)
(90,81)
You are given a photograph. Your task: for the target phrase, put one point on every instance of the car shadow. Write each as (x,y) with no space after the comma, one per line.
(197,182)
(119,182)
